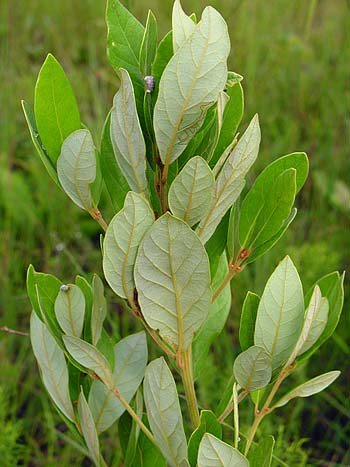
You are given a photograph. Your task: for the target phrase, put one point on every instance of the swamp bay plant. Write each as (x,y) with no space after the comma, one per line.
(184,226)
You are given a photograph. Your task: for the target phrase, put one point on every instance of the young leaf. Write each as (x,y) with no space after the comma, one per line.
(149,45)
(216,453)
(88,429)
(70,309)
(183,26)
(76,168)
(130,363)
(230,181)
(191,82)
(311,387)
(191,192)
(281,313)
(163,411)
(252,369)
(126,135)
(115,181)
(86,288)
(52,364)
(248,318)
(216,245)
(173,280)
(99,309)
(208,423)
(163,56)
(121,243)
(55,107)
(30,118)
(260,455)
(89,357)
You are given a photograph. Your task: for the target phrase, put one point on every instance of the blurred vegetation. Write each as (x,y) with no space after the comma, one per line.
(294,56)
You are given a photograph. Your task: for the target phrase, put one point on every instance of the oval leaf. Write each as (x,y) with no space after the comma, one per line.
(191,192)
(191,82)
(216,453)
(252,369)
(70,309)
(99,309)
(88,429)
(173,280)
(163,412)
(208,423)
(281,313)
(182,26)
(76,167)
(121,243)
(126,135)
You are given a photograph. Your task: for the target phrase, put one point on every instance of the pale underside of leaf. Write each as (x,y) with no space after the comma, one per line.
(252,368)
(76,167)
(70,310)
(215,453)
(88,428)
(99,309)
(182,26)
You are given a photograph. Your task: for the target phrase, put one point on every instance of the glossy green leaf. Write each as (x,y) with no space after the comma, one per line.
(105,346)
(48,287)
(280,314)
(182,25)
(265,210)
(190,83)
(173,280)
(76,168)
(230,181)
(115,181)
(215,322)
(216,245)
(311,387)
(148,454)
(88,429)
(55,107)
(149,45)
(191,192)
(248,318)
(208,423)
(215,453)
(260,455)
(89,357)
(52,364)
(70,309)
(163,56)
(126,135)
(130,362)
(253,369)
(99,309)
(49,165)
(121,243)
(86,288)
(163,412)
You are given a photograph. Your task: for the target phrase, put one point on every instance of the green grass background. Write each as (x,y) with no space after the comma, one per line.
(294,56)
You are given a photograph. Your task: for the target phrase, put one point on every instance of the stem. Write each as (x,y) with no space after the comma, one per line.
(97,216)
(13,331)
(228,409)
(235,416)
(163,190)
(187,379)
(222,286)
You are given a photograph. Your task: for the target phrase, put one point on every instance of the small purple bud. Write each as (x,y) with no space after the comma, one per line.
(150,83)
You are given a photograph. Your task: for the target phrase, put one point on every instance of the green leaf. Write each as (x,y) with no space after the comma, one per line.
(86,288)
(191,192)
(149,45)
(133,434)
(280,314)
(30,118)
(99,309)
(124,39)
(216,453)
(248,318)
(230,181)
(55,107)
(216,245)
(105,346)
(130,363)
(173,280)
(163,56)
(70,309)
(260,455)
(115,181)
(231,118)
(126,135)
(52,364)
(191,82)
(76,168)
(208,423)
(215,322)
(148,453)
(123,237)
(332,288)
(183,26)
(252,369)
(89,357)
(88,429)
(265,210)
(163,412)
(311,387)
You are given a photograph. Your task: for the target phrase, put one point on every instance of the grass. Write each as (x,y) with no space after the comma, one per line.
(294,57)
